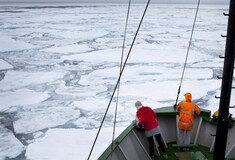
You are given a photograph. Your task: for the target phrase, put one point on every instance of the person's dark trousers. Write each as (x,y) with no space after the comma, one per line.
(151,144)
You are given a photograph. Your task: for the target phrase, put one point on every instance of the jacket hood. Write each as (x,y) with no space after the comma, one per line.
(188,97)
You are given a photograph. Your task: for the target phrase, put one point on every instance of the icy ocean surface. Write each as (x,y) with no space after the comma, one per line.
(59,66)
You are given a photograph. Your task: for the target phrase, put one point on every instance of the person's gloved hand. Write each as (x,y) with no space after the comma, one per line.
(135,122)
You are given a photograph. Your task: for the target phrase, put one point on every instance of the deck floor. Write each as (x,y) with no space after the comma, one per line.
(196,153)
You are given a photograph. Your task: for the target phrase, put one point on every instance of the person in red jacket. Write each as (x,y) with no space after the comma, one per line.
(186,110)
(146,117)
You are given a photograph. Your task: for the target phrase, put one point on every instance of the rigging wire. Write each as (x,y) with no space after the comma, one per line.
(186,58)
(119,78)
(118,88)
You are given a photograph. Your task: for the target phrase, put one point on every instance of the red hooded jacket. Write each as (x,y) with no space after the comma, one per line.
(147,117)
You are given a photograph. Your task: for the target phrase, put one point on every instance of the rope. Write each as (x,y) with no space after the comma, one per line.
(123,48)
(185,62)
(117,83)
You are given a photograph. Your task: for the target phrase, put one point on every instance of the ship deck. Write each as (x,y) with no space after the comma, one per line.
(193,153)
(132,142)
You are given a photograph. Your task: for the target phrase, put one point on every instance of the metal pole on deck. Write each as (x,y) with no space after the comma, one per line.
(223,120)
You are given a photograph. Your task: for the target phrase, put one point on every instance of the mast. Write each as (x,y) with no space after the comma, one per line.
(223,120)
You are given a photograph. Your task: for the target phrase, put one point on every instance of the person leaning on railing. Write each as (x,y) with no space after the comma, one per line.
(146,117)
(186,110)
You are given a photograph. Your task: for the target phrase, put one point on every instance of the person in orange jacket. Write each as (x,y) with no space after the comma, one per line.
(186,110)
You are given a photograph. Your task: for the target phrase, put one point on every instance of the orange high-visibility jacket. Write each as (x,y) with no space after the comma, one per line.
(187,109)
